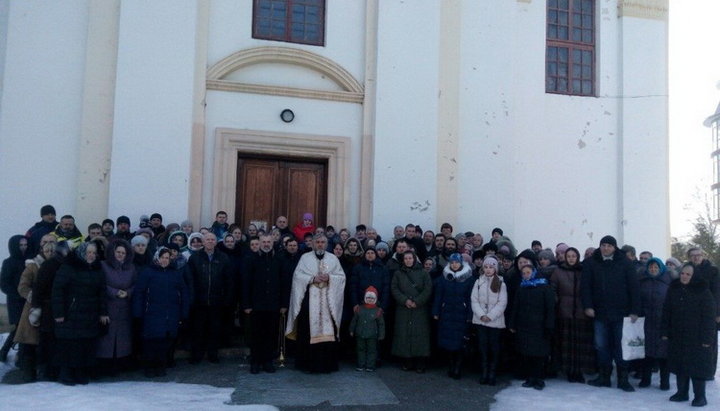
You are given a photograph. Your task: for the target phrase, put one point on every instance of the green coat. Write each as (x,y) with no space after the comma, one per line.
(366,323)
(412,325)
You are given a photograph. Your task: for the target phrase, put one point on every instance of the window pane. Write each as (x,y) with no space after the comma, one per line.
(278,28)
(587,36)
(263,9)
(312,15)
(576,86)
(552,68)
(563,54)
(552,53)
(262,27)
(563,32)
(587,6)
(586,72)
(586,57)
(587,87)
(587,21)
(577,57)
(312,32)
(563,4)
(577,71)
(577,19)
(563,18)
(562,84)
(577,6)
(552,31)
(552,16)
(576,35)
(562,70)
(550,84)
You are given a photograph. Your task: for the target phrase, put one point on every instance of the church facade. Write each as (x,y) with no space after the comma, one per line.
(547,118)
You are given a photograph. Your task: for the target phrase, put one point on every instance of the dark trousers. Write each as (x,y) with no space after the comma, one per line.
(264,326)
(206,325)
(608,336)
(489,345)
(367,354)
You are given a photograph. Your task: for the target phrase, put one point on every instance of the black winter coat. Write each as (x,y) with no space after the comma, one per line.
(42,291)
(369,274)
(12,269)
(78,296)
(689,322)
(265,285)
(533,319)
(610,287)
(162,300)
(653,291)
(709,273)
(211,283)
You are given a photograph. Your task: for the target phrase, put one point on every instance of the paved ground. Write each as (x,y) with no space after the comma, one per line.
(389,388)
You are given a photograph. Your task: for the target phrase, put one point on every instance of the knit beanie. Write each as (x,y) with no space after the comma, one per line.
(371,292)
(608,239)
(123,219)
(455,258)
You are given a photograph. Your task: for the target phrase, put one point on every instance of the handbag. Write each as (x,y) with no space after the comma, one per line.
(633,339)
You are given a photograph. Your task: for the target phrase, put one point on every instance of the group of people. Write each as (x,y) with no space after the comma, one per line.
(116,295)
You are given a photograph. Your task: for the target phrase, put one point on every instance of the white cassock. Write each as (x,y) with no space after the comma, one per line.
(326,299)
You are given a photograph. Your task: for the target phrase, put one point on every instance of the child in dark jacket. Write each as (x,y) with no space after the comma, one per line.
(368,327)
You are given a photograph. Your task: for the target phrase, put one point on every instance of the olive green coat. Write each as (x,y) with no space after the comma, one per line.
(412,325)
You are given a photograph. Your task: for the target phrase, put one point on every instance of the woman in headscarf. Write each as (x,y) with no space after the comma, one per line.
(688,325)
(115,347)
(162,301)
(28,334)
(79,307)
(575,330)
(12,269)
(654,284)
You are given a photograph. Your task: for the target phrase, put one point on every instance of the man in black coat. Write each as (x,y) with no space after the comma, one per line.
(211,291)
(266,293)
(705,270)
(46,225)
(610,292)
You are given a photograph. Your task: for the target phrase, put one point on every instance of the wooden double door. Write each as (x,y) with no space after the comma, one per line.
(268,187)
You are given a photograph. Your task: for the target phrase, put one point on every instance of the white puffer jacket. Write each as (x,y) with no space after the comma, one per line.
(485,302)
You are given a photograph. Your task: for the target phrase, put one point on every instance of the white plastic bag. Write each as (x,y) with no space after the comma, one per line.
(633,339)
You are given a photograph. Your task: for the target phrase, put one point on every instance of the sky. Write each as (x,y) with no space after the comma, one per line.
(694,76)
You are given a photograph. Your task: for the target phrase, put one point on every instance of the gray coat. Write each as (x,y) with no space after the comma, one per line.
(118,276)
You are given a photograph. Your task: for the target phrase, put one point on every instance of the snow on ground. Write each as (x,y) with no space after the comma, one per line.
(562,395)
(128,395)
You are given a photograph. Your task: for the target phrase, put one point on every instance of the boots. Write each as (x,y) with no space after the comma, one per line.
(483,368)
(646,373)
(455,365)
(491,380)
(7,346)
(683,382)
(28,364)
(622,382)
(664,374)
(699,391)
(603,378)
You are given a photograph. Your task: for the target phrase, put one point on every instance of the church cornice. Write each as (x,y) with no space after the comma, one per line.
(352,91)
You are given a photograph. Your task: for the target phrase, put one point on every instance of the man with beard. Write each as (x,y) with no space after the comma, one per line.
(315,310)
(443,257)
(264,299)
(67,231)
(429,243)
(123,229)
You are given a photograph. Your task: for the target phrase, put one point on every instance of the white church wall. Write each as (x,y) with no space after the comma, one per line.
(153,110)
(44,60)
(406,115)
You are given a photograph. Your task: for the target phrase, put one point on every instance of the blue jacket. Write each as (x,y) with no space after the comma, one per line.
(366,274)
(452,306)
(162,300)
